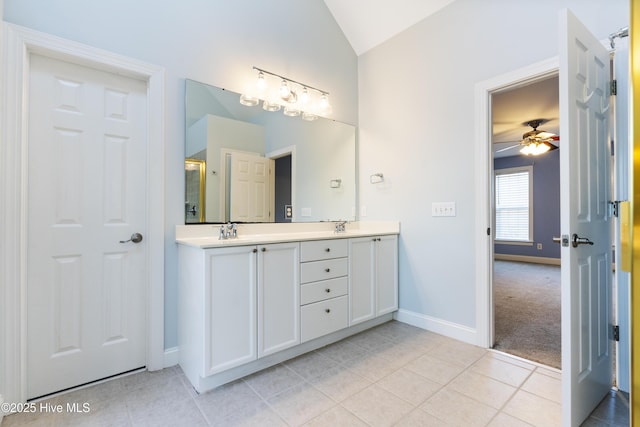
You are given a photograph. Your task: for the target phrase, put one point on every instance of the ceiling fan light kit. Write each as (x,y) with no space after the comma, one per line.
(535,142)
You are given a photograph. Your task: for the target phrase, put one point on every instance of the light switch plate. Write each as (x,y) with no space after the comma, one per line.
(443,209)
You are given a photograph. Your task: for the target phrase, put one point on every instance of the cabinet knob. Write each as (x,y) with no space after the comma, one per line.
(327,270)
(328,250)
(328,310)
(264,249)
(327,290)
(254,250)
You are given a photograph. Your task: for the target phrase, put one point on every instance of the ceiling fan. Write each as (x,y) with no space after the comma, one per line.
(535,141)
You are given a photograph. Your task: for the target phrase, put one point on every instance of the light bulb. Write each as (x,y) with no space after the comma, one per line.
(304,96)
(324,102)
(261,83)
(284,90)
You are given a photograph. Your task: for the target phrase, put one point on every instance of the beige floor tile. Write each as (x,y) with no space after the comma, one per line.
(336,416)
(457,409)
(260,415)
(436,370)
(504,420)
(419,418)
(483,389)
(166,412)
(403,352)
(300,404)
(311,365)
(457,352)
(371,340)
(340,383)
(372,366)
(377,407)
(272,381)
(502,370)
(534,409)
(409,386)
(544,386)
(226,400)
(343,351)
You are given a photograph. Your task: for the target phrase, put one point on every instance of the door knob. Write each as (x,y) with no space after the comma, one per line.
(575,241)
(135,238)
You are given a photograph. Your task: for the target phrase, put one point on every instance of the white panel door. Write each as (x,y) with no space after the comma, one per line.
(585,190)
(251,188)
(86,186)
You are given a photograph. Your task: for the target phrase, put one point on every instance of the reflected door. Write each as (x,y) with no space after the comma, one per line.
(251,186)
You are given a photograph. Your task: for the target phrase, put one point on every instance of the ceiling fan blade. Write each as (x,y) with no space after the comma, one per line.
(506,148)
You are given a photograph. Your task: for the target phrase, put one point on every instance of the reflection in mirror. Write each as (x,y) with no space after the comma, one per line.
(195,190)
(245,164)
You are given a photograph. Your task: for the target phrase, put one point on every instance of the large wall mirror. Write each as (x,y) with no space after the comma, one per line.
(245,164)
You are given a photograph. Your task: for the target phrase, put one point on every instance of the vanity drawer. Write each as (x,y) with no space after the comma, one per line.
(319,291)
(322,318)
(323,249)
(323,270)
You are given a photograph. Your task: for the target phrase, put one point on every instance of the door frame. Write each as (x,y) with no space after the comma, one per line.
(19,43)
(484,187)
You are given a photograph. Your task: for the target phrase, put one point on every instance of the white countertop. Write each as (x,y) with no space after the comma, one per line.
(206,236)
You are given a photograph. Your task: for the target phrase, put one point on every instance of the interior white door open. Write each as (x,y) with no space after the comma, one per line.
(585,224)
(251,188)
(87,195)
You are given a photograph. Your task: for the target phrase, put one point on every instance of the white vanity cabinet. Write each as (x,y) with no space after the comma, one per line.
(251,303)
(237,304)
(373,277)
(324,285)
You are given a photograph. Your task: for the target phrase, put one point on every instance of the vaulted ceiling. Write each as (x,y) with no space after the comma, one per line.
(368,23)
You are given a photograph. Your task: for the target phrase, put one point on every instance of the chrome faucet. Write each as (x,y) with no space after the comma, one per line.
(341,226)
(228,231)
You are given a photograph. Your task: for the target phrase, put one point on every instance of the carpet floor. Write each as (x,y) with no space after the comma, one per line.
(526,300)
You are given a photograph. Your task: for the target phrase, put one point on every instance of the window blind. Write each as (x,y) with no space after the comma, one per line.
(512,206)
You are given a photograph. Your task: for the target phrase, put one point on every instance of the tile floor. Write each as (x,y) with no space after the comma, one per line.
(394,374)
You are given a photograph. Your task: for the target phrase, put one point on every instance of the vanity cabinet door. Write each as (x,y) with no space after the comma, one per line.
(373,277)
(278,297)
(386,274)
(230,308)
(362,302)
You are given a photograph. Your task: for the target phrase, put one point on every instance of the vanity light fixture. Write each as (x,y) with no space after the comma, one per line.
(298,99)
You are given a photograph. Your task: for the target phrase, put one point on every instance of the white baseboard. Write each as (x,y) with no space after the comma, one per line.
(171,357)
(525,258)
(439,326)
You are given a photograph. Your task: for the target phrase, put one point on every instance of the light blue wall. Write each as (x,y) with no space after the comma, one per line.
(417,126)
(546,203)
(212,41)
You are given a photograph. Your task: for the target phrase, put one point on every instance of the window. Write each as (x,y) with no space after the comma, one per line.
(514,210)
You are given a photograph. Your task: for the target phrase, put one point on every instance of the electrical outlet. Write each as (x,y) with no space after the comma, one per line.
(539,246)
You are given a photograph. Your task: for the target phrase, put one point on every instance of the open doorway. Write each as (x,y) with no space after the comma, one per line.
(526,216)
